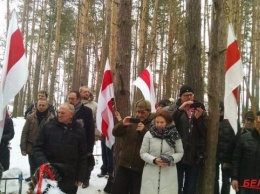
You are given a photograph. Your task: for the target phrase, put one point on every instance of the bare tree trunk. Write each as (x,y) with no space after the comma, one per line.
(39,54)
(215,90)
(113,35)
(57,51)
(30,66)
(193,49)
(152,44)
(123,63)
(171,36)
(105,43)
(143,35)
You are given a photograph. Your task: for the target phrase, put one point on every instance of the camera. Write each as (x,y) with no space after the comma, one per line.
(197,105)
(134,120)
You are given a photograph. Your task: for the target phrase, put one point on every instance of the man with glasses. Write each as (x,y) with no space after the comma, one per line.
(130,165)
(85,116)
(190,123)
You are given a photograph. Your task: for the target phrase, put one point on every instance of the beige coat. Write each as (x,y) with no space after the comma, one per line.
(155,179)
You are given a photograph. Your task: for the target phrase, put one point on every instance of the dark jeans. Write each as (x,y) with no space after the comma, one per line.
(187,174)
(32,163)
(226,174)
(90,167)
(127,181)
(5,156)
(107,158)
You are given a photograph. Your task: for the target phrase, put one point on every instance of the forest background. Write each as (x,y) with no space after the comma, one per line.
(69,41)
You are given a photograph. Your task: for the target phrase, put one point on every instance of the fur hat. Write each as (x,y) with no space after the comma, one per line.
(142,105)
(185,88)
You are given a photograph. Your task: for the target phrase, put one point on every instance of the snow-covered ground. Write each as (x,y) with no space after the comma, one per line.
(19,163)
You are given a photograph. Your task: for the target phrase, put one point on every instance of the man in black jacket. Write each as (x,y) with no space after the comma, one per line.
(190,123)
(62,144)
(226,135)
(246,163)
(85,115)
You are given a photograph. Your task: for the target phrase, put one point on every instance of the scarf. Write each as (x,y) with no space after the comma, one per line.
(169,133)
(41,115)
(77,107)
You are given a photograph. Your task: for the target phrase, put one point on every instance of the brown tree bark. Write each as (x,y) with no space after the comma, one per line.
(216,55)
(193,64)
(123,63)
(56,52)
(81,44)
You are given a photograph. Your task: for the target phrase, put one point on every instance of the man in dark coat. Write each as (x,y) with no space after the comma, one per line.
(130,165)
(62,144)
(85,115)
(226,135)
(191,124)
(8,134)
(246,163)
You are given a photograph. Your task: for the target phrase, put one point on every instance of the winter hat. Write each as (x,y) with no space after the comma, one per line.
(142,105)
(249,115)
(185,88)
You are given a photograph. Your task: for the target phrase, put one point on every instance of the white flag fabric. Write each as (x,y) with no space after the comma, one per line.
(15,69)
(233,77)
(145,83)
(104,117)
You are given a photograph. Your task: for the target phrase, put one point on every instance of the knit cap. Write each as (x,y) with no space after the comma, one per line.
(185,88)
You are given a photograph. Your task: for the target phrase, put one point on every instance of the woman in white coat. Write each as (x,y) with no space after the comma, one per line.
(161,150)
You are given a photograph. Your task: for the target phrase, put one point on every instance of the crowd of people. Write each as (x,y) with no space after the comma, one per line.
(161,152)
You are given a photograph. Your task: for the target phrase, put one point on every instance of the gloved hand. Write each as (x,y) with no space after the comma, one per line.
(56,173)
(167,159)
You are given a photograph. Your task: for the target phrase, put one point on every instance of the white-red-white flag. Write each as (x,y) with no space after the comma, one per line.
(104,117)
(233,77)
(145,83)
(15,69)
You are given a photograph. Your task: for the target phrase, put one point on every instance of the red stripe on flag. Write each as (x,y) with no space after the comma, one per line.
(105,125)
(145,75)
(107,79)
(16,49)
(104,129)
(232,55)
